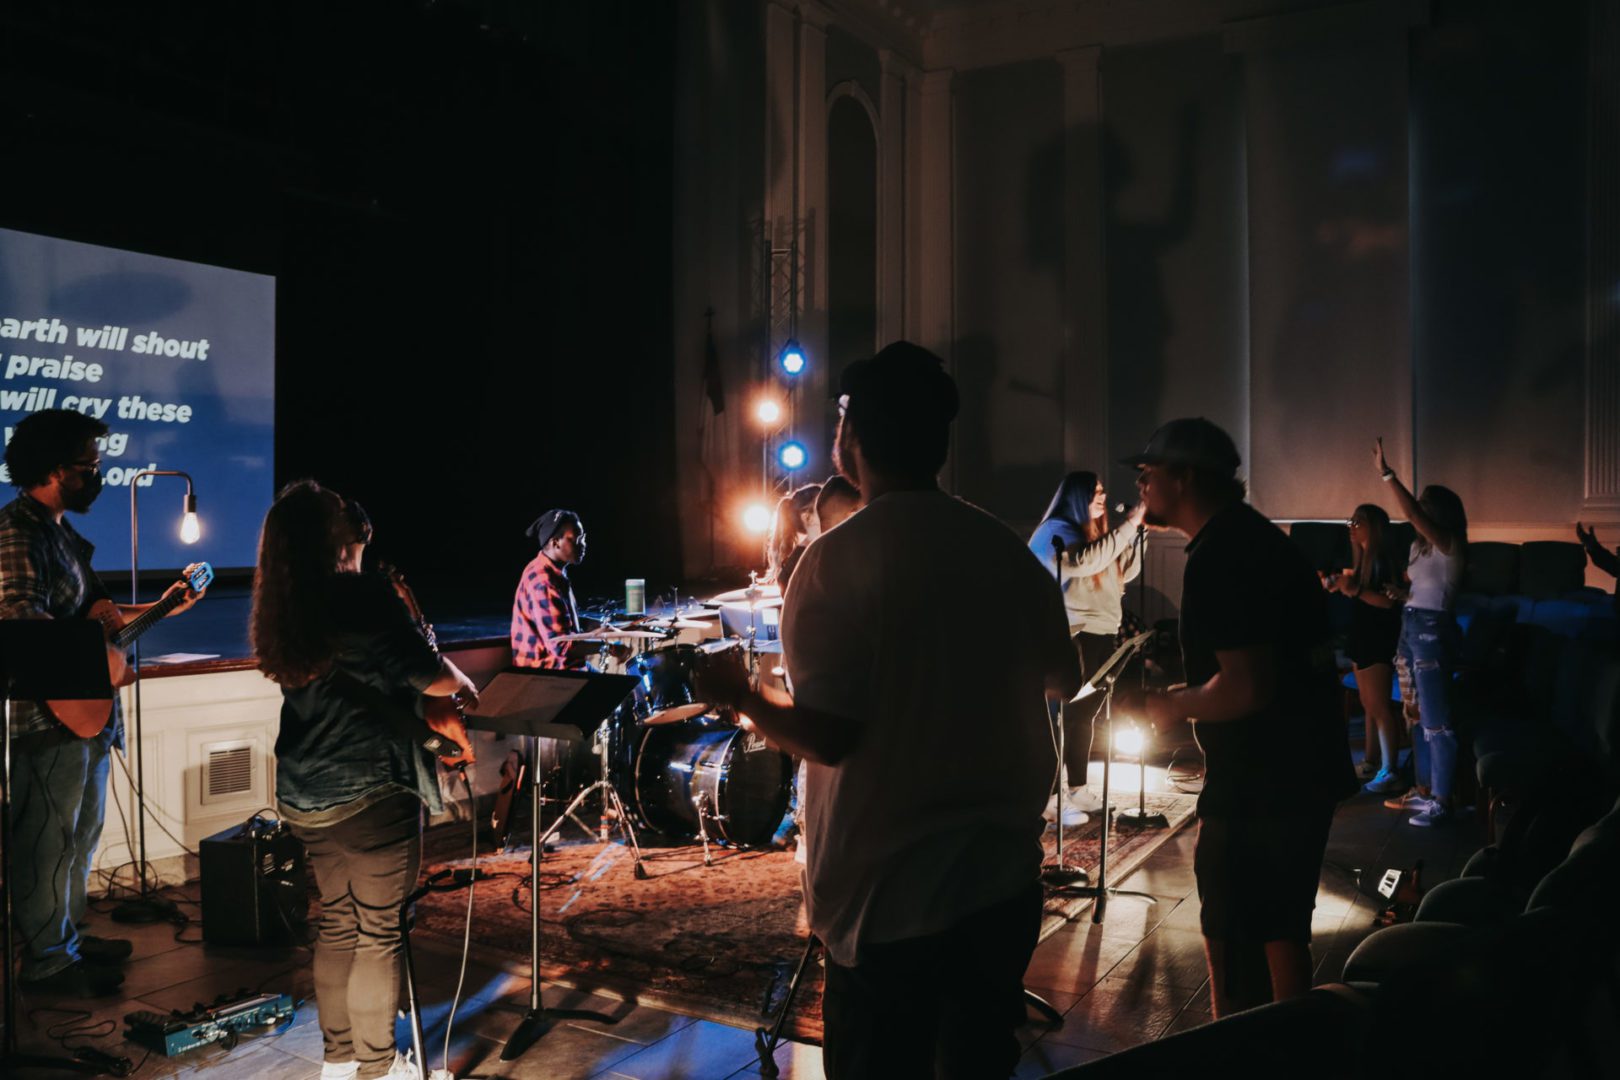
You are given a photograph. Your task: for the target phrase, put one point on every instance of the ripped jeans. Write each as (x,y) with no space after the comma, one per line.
(1425,660)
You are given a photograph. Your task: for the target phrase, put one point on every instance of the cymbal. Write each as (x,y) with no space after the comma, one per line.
(736,596)
(681,624)
(758,605)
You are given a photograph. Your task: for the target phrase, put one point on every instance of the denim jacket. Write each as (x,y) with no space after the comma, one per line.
(335,756)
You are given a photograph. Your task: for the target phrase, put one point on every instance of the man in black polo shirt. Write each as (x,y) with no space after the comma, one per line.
(1262,696)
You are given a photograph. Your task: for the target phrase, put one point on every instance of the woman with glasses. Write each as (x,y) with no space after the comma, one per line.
(1096,564)
(1375,631)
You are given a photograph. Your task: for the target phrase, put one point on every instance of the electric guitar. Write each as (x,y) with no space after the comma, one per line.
(86,718)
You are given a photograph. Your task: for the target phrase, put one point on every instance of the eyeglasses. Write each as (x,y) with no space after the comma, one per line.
(1354,522)
(88,466)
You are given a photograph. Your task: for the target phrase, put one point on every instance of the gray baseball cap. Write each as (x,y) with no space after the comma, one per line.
(1192,441)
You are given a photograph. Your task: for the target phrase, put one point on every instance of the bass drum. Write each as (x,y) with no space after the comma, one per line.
(742,784)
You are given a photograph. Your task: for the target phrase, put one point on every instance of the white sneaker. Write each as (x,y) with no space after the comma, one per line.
(1083,798)
(1051,811)
(1073,817)
(339,1070)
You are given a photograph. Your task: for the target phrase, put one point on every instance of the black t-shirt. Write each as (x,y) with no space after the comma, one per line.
(1246,585)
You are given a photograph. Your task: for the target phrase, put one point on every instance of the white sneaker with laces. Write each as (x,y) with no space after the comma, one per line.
(1083,798)
(339,1070)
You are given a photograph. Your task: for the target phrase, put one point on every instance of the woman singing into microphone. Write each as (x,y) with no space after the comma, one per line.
(1096,565)
(346,654)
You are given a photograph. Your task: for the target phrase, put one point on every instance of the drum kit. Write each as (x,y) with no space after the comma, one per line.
(679,768)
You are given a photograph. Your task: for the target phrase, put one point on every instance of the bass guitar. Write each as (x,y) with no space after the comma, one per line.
(442,714)
(86,718)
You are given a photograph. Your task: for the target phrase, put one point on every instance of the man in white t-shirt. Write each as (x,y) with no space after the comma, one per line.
(930,752)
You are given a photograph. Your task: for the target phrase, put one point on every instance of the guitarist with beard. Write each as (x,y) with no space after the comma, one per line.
(59,779)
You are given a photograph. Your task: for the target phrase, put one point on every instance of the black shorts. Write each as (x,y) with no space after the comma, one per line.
(1257,877)
(1374,635)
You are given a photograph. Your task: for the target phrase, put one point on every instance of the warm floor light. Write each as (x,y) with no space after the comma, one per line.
(1128,741)
(757,518)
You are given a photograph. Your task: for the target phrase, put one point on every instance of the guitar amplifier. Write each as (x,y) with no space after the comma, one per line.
(253,885)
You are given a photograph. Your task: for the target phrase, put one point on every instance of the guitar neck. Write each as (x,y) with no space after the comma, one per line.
(147,619)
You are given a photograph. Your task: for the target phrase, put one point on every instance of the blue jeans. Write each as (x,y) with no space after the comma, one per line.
(1428,648)
(58,802)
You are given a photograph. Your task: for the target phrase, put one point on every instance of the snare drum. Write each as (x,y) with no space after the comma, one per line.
(668,679)
(741,784)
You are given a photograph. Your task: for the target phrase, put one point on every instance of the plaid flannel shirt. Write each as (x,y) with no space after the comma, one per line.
(44,570)
(542,610)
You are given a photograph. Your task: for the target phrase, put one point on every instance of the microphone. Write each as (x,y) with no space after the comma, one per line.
(1119,508)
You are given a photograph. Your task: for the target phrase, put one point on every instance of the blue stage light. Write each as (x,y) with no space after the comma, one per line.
(792,359)
(792,456)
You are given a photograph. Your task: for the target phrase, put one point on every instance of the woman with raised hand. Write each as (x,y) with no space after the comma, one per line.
(1426,657)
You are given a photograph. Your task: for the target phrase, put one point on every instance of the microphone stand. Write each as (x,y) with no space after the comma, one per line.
(1061,874)
(1103,683)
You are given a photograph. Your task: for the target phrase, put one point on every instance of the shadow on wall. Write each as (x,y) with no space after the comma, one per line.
(1140,311)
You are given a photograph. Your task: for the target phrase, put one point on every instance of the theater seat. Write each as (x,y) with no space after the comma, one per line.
(1550,568)
(1492,568)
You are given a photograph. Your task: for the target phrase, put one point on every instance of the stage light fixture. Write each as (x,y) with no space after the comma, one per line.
(792,456)
(791,359)
(768,411)
(757,518)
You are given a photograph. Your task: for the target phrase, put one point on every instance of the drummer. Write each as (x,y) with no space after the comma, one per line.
(543,609)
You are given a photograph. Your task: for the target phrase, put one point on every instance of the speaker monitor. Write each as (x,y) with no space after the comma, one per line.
(253,885)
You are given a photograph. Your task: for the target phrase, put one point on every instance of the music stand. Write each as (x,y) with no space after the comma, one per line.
(40,659)
(1103,683)
(566,705)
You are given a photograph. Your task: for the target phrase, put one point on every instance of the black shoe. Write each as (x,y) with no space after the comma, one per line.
(99,950)
(77,980)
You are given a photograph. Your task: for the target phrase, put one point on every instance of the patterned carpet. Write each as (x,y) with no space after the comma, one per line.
(717,942)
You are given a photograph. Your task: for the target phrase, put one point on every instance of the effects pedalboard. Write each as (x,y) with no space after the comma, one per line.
(176,1032)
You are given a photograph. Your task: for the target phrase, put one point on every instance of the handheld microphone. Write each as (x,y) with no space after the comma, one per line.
(1119,508)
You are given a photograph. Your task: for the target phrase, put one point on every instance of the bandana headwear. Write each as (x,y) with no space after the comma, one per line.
(549,524)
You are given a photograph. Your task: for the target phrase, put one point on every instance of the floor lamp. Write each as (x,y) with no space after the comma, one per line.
(147,907)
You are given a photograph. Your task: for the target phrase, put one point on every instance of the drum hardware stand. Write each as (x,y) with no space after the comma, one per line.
(1103,683)
(699,803)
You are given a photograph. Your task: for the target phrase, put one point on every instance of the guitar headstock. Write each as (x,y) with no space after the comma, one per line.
(198,576)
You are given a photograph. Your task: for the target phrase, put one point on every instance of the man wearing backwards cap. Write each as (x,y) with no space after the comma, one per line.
(1262,695)
(544,608)
(929,759)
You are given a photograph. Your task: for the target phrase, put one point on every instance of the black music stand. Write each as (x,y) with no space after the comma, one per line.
(565,705)
(41,659)
(1103,683)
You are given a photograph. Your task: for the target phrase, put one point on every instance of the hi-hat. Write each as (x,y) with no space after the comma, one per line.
(610,634)
(757,605)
